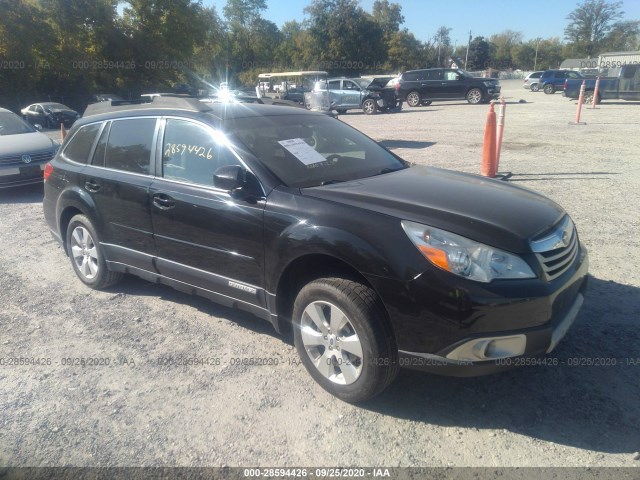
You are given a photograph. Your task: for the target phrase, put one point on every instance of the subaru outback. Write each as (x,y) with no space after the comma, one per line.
(305,222)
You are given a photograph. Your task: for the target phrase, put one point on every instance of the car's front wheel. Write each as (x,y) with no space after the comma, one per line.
(369,106)
(83,248)
(549,89)
(413,99)
(343,338)
(474,96)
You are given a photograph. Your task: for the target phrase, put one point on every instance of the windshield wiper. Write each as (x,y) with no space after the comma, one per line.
(389,170)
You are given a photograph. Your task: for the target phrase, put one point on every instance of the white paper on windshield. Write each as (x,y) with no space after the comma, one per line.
(302,151)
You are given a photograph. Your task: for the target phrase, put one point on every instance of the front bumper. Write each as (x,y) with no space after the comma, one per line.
(453,326)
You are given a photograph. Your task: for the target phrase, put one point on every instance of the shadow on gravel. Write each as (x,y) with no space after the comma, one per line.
(588,400)
(27,194)
(405,144)
(135,286)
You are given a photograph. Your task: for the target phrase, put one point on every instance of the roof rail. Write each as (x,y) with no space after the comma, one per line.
(176,102)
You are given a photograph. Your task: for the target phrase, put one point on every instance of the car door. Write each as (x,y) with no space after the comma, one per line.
(335,94)
(351,94)
(453,84)
(431,84)
(205,237)
(118,180)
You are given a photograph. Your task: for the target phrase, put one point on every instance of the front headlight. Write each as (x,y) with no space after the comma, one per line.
(465,257)
(489,84)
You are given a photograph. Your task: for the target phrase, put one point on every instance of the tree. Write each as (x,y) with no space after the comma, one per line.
(344,38)
(479,54)
(623,36)
(442,41)
(590,23)
(404,52)
(502,46)
(388,16)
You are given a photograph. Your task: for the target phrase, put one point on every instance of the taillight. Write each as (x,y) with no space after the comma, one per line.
(48,170)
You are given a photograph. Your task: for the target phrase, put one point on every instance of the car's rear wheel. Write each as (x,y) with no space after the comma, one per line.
(474,96)
(343,338)
(413,99)
(369,106)
(535,87)
(549,89)
(86,256)
(341,111)
(588,97)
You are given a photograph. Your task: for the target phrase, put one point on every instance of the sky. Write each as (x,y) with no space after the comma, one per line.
(534,18)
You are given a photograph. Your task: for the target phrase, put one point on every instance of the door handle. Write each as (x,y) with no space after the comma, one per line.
(163,202)
(92,186)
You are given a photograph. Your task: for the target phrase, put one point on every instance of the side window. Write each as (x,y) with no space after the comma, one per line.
(349,85)
(572,75)
(39,109)
(129,146)
(450,75)
(190,153)
(433,75)
(410,76)
(101,147)
(79,148)
(630,71)
(334,85)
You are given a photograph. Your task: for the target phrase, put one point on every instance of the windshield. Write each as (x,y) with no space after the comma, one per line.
(363,83)
(310,150)
(11,124)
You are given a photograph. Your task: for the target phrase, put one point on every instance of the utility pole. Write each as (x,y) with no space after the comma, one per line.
(535,62)
(467,56)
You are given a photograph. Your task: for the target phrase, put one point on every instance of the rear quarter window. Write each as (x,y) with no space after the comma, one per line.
(129,145)
(79,147)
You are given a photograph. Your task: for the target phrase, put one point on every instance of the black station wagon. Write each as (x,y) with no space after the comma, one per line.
(306,222)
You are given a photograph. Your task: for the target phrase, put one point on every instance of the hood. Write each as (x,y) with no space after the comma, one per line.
(489,211)
(378,83)
(24,143)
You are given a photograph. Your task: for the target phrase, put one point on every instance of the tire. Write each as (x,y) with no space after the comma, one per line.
(341,111)
(588,98)
(369,106)
(330,313)
(474,96)
(549,89)
(413,99)
(83,248)
(535,87)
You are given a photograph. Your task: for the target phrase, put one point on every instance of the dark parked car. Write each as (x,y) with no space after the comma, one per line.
(49,114)
(302,220)
(24,151)
(421,87)
(626,86)
(367,93)
(552,81)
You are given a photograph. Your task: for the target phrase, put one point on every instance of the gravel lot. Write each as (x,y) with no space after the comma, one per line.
(135,412)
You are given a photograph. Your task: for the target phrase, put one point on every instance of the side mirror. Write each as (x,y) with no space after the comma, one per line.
(230,178)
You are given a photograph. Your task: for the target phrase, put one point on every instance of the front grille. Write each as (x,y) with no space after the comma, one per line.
(35,158)
(557,251)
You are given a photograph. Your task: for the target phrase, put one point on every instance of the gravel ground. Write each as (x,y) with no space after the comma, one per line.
(136,412)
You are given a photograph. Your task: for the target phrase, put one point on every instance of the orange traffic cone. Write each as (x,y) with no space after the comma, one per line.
(489,147)
(63,132)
